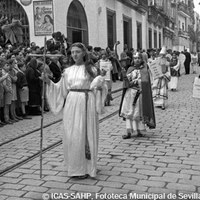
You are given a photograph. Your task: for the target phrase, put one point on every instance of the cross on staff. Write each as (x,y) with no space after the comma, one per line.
(44,55)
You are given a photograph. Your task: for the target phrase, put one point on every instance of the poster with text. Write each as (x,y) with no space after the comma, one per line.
(156,69)
(43,17)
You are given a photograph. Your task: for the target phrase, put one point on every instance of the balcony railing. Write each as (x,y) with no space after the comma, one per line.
(143,3)
(183,8)
(183,33)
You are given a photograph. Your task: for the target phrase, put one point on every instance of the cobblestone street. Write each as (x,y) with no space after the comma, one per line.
(166,162)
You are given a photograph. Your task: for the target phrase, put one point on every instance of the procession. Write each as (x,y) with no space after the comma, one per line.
(115,119)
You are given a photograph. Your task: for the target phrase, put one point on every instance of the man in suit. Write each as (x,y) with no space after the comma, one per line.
(187,61)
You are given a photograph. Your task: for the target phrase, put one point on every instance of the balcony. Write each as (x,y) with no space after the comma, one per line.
(156,17)
(183,9)
(143,4)
(184,34)
(139,5)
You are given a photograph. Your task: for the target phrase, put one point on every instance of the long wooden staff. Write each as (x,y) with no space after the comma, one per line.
(42,112)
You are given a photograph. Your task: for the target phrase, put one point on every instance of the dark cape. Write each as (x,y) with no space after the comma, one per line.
(147,100)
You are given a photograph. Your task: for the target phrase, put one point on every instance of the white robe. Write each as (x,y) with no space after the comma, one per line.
(75,77)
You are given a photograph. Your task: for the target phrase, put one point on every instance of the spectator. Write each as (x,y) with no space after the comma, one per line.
(33,80)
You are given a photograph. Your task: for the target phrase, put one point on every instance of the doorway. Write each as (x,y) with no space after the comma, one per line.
(77,26)
(12,9)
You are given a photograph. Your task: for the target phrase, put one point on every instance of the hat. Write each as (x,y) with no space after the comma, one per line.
(163,50)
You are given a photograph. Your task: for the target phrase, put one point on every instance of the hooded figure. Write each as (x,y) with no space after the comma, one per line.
(34,84)
(137,104)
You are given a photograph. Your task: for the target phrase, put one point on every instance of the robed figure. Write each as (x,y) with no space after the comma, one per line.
(137,105)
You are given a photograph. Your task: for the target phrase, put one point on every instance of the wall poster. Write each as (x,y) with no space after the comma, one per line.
(43,17)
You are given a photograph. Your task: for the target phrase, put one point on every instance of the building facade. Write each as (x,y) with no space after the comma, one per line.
(93,22)
(140,24)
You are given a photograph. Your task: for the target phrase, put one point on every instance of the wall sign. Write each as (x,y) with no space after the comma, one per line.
(26,2)
(43,17)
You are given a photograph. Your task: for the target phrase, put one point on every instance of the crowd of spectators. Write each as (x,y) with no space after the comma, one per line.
(21,74)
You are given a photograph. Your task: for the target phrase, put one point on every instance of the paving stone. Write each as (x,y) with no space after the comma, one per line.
(85,188)
(11,186)
(88,181)
(168,169)
(10,192)
(121,169)
(134,175)
(31,182)
(164,191)
(33,195)
(109,190)
(150,183)
(121,179)
(46,172)
(178,186)
(16,198)
(39,189)
(13,174)
(2,197)
(56,178)
(30,176)
(190,182)
(109,184)
(150,172)
(177,175)
(164,179)
(10,180)
(135,187)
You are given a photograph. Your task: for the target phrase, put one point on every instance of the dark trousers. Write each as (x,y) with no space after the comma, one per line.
(187,68)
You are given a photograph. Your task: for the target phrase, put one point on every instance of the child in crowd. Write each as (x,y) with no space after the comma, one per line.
(23,89)
(2,78)
(7,85)
(106,65)
(13,74)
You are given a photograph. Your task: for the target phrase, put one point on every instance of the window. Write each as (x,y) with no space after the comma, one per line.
(183,26)
(10,9)
(159,40)
(77,28)
(155,39)
(139,35)
(127,28)
(150,38)
(111,28)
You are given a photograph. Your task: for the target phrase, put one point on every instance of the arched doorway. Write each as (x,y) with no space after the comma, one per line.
(77,27)
(12,9)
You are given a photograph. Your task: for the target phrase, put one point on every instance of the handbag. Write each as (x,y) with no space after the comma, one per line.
(196,88)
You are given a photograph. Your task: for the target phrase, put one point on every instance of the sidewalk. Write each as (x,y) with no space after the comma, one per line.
(165,162)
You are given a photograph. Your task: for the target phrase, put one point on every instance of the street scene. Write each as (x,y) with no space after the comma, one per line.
(165,161)
(99,99)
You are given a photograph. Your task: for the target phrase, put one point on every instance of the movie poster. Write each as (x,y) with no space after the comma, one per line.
(43,17)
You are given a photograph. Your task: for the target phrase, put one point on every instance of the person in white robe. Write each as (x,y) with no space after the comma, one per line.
(76,94)
(160,85)
(194,62)
(174,70)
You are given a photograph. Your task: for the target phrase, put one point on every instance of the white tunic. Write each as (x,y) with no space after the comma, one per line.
(74,135)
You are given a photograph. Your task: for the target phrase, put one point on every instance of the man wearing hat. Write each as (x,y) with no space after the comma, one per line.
(160,93)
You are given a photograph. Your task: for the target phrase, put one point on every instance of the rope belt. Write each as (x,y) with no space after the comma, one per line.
(87,147)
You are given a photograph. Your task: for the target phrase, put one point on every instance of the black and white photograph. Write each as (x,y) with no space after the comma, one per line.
(100,99)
